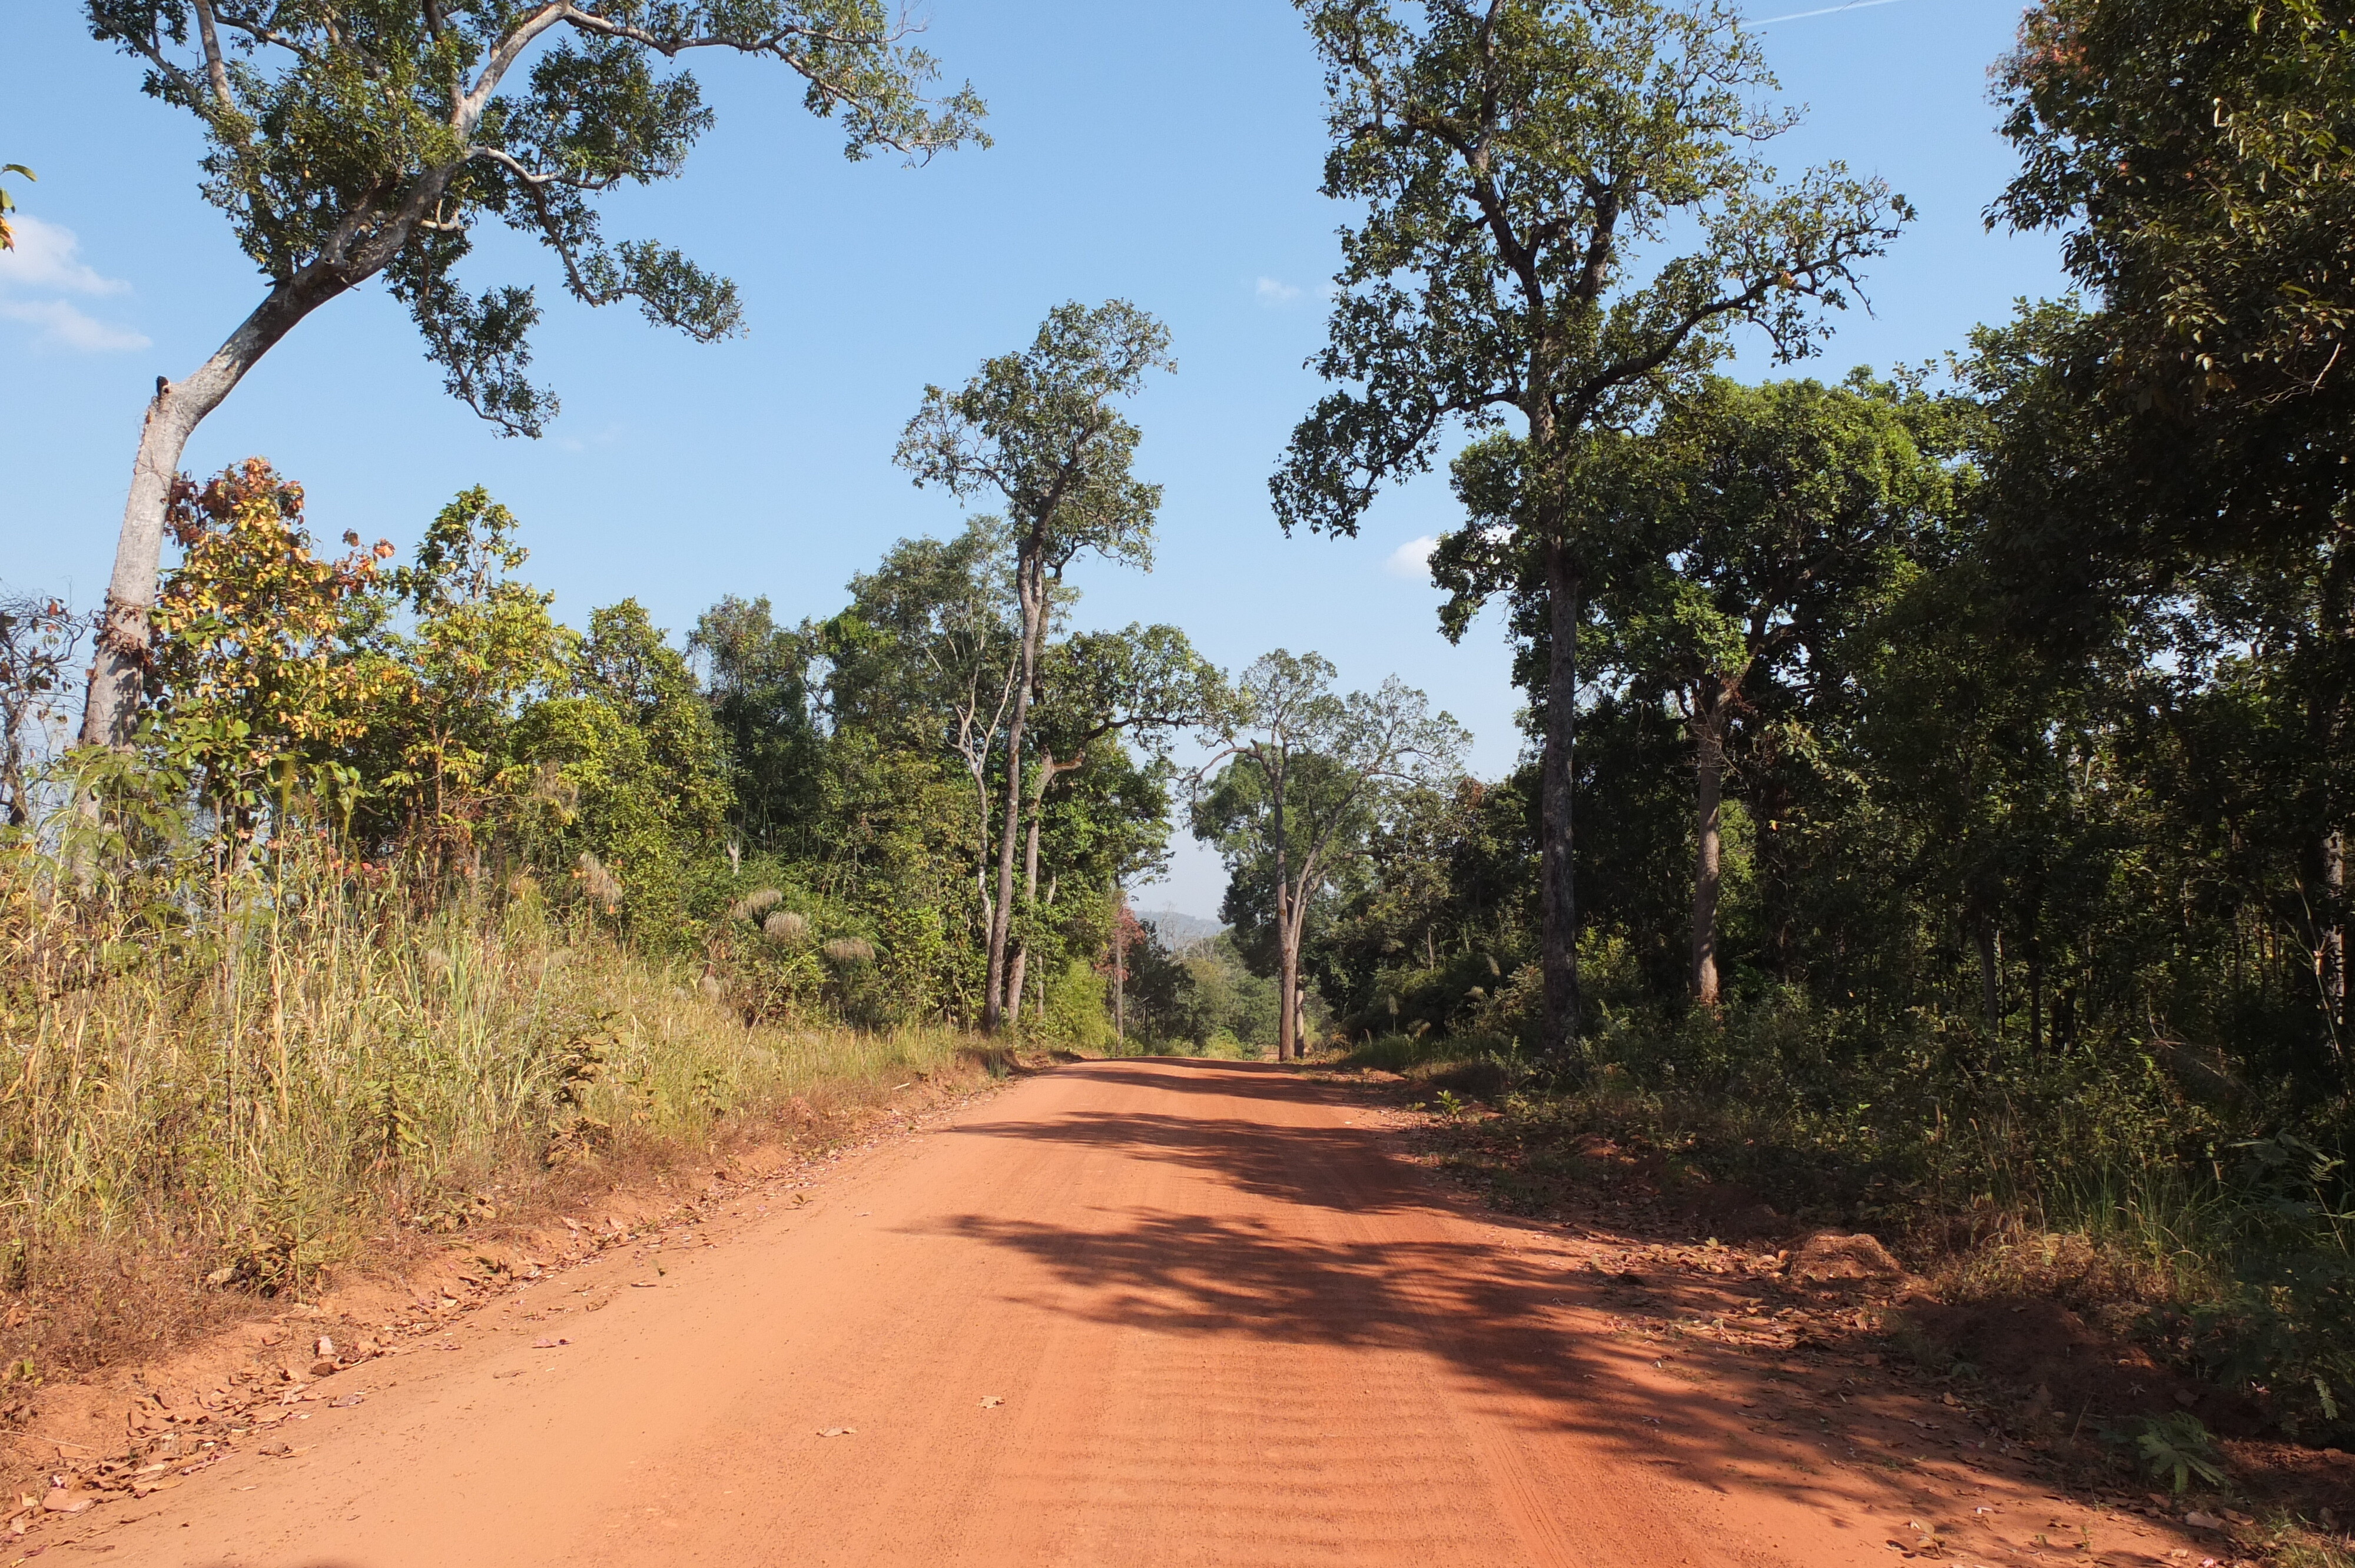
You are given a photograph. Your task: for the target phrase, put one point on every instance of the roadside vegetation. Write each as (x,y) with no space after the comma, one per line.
(1959,754)
(1935,807)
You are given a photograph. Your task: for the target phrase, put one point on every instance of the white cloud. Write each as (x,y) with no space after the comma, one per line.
(47,257)
(1275,292)
(47,261)
(1412,560)
(65,326)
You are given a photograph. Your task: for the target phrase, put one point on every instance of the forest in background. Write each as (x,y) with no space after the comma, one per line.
(1958,753)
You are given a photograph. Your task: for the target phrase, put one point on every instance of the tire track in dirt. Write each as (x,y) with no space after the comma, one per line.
(1228,1324)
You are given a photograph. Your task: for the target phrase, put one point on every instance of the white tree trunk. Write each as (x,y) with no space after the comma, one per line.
(1029,579)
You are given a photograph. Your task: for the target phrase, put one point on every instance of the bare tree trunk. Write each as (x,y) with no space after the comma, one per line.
(2332,958)
(1990,990)
(1287,962)
(2035,998)
(1556,868)
(1030,580)
(1029,900)
(1120,967)
(1708,783)
(118,667)
(1287,992)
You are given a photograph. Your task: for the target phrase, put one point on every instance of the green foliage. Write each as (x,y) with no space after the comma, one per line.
(260,690)
(360,137)
(757,675)
(1516,161)
(634,744)
(1313,774)
(1039,428)
(2200,162)
(2175,1448)
(477,647)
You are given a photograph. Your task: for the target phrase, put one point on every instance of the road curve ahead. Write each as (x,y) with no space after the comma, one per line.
(1153,1311)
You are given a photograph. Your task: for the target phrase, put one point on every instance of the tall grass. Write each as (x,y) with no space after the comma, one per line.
(247,1074)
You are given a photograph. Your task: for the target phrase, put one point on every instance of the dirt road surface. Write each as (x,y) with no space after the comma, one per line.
(1124,1312)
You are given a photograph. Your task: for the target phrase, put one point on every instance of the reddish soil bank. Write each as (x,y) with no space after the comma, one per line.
(1141,1311)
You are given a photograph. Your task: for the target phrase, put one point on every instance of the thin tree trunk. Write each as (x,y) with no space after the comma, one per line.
(2333,957)
(1287,955)
(1031,585)
(1287,990)
(1556,867)
(1708,781)
(2035,999)
(1990,986)
(1120,967)
(1029,900)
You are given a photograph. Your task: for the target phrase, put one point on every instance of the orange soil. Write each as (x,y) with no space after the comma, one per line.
(1143,1312)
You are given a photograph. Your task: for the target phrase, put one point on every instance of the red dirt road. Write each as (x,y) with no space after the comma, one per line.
(1228,1323)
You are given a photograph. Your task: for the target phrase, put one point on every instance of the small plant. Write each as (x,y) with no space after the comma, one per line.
(1450,1105)
(2174,1447)
(573,1134)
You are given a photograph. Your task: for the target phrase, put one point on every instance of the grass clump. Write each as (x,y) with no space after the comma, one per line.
(232,1083)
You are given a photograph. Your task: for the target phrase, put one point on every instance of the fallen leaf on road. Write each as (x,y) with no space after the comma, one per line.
(347,1402)
(517,1372)
(838,1431)
(59,1500)
(2199,1520)
(642,1285)
(548,1344)
(990,1402)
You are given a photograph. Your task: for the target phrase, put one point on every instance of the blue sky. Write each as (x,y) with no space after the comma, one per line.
(1167,154)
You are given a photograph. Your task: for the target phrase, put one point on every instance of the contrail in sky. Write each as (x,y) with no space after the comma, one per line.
(1827,11)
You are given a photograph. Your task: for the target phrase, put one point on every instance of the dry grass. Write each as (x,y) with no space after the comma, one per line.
(210,1094)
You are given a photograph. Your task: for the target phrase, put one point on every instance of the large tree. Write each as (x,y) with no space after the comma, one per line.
(1307,776)
(1566,214)
(1042,428)
(1771,519)
(2201,162)
(352,138)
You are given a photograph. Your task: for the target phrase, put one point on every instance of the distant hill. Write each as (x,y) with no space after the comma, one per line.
(1176,931)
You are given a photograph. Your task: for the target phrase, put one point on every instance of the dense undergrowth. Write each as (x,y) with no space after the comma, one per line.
(2096,1181)
(230,1084)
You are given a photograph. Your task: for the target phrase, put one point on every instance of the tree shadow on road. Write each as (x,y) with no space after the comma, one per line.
(1352,1247)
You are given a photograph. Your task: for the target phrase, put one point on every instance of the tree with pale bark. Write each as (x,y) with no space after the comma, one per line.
(1566,213)
(349,140)
(1042,428)
(1307,775)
